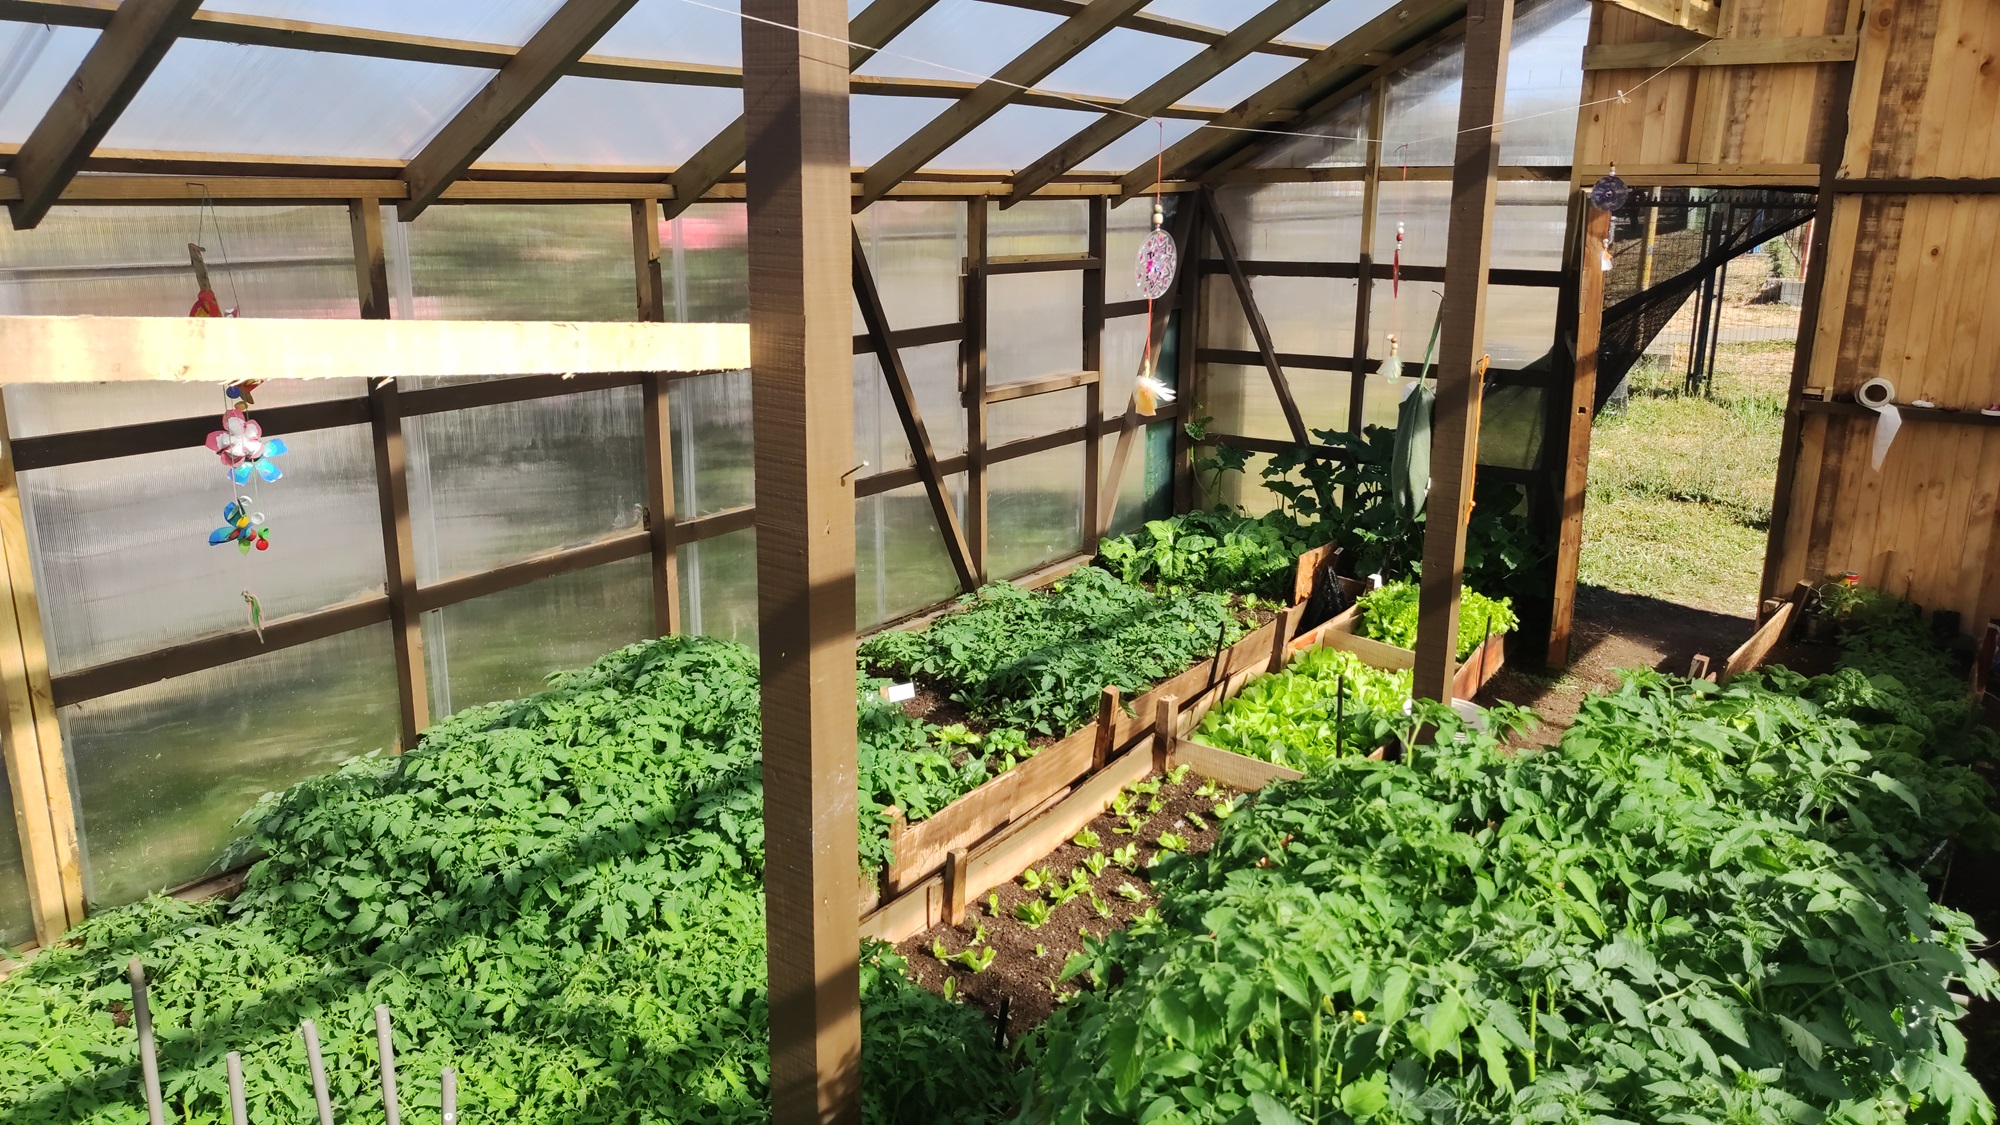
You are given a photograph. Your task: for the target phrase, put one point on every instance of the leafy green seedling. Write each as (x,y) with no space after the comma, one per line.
(1171,842)
(1178,774)
(1098,904)
(1041,950)
(1034,878)
(1126,857)
(978,960)
(978,935)
(950,988)
(1155,805)
(1085,839)
(1148,787)
(1208,791)
(1121,804)
(1195,819)
(1129,893)
(1032,913)
(1223,810)
(993,904)
(1095,863)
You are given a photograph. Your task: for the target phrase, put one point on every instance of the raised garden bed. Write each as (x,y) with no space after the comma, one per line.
(1344,631)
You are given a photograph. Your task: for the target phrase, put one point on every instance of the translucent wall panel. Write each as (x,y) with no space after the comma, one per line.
(220,97)
(960,40)
(1338,139)
(876,125)
(548,262)
(1121,64)
(1127,228)
(670,29)
(1125,343)
(600,121)
(1034,417)
(1013,138)
(878,430)
(916,251)
(1544,79)
(1244,490)
(1243,403)
(1039,226)
(709,248)
(1242,79)
(714,456)
(496,484)
(1306,315)
(1530,223)
(1034,325)
(1295,222)
(900,564)
(122,556)
(1423,210)
(36,61)
(1146,491)
(505,645)
(163,772)
(133,261)
(1142,145)
(50,408)
(1420,118)
(719,587)
(486,21)
(17,917)
(1520,321)
(1035,508)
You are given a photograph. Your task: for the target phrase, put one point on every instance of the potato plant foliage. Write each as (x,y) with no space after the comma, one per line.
(1390,615)
(561,896)
(1297,718)
(1038,660)
(1706,905)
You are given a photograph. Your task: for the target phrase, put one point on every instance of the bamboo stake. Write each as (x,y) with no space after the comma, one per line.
(387,1051)
(142,1023)
(238,1113)
(309,1031)
(448,1096)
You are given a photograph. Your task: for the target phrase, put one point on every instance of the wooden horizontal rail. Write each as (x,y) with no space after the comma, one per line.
(1930,185)
(1041,263)
(527,388)
(1804,177)
(548,564)
(1008,392)
(1142,307)
(878,483)
(913,337)
(1754,51)
(1909,413)
(1356,173)
(1381,271)
(1495,376)
(1275,446)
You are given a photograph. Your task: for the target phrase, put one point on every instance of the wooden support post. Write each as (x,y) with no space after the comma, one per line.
(1364,294)
(954,887)
(1226,245)
(875,319)
(37,768)
(658,422)
(399,557)
(972,377)
(371,262)
(798,192)
(1166,718)
(1578,422)
(1094,523)
(1281,639)
(1454,434)
(1107,728)
(1698,667)
(1191,328)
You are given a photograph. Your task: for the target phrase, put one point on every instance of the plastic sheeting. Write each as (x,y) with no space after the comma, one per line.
(505,645)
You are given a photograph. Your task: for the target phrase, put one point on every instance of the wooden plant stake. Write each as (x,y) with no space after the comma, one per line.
(1165,719)
(142,1023)
(1698,668)
(309,1031)
(1107,727)
(954,887)
(1215,662)
(1339,713)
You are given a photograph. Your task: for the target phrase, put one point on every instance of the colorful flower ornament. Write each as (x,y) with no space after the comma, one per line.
(244,450)
(242,527)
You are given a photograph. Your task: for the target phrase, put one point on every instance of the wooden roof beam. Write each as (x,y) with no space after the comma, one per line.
(133,42)
(1171,28)
(1154,99)
(1086,26)
(1305,84)
(560,42)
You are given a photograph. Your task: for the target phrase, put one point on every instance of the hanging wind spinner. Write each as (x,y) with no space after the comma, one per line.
(242,527)
(1610,192)
(244,450)
(1396,266)
(1158,261)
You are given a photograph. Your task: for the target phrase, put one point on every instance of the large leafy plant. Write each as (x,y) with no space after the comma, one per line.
(1217,551)
(1326,703)
(1039,660)
(1391,615)
(1705,906)
(560,896)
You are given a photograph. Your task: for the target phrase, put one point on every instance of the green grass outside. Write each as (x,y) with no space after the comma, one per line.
(1680,485)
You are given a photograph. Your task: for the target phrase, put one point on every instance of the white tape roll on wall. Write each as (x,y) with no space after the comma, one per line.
(1879,395)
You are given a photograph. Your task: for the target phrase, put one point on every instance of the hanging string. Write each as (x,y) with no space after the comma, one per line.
(205,214)
(1120,111)
(1159,166)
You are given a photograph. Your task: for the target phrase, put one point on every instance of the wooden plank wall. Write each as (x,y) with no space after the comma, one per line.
(1909,297)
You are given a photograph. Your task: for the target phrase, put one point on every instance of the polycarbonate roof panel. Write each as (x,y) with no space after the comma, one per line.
(1012,139)
(678,31)
(36,61)
(220,97)
(960,39)
(1121,64)
(876,125)
(1140,146)
(1246,77)
(1335,21)
(486,21)
(602,121)
(1222,14)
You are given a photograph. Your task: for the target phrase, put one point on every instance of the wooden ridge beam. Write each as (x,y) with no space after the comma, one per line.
(1154,99)
(557,45)
(1303,85)
(1259,330)
(1489,26)
(876,319)
(1080,30)
(133,42)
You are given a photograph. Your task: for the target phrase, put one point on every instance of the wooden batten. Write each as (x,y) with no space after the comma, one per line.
(106,349)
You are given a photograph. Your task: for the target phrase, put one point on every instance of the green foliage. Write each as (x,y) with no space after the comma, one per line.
(1039,660)
(1219,551)
(560,896)
(1704,906)
(1290,717)
(1391,614)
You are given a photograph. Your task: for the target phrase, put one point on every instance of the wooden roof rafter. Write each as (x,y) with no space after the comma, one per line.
(133,42)
(1154,99)
(559,43)
(1306,84)
(1087,25)
(1168,27)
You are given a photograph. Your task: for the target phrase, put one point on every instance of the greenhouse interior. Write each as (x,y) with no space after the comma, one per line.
(907,561)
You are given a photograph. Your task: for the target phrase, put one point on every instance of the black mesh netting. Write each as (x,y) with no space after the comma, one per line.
(1695,232)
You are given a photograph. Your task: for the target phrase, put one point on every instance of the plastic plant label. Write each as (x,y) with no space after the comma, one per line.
(899,693)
